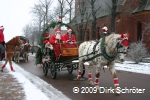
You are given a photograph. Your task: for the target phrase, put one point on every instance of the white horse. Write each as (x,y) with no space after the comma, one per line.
(107,51)
(17,53)
(25,51)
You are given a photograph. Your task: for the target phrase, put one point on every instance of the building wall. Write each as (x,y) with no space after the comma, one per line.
(126,22)
(144,18)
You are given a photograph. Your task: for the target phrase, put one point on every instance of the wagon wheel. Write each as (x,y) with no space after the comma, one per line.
(45,68)
(70,68)
(53,71)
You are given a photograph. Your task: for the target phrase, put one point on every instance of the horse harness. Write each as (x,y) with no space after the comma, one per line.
(119,45)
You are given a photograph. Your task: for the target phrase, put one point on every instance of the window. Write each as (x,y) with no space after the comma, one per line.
(139,31)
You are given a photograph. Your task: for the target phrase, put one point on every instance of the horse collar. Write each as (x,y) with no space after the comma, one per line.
(109,58)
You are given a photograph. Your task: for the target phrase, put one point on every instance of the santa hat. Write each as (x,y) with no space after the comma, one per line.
(59,18)
(57,30)
(46,35)
(105,29)
(1,27)
(124,38)
(69,29)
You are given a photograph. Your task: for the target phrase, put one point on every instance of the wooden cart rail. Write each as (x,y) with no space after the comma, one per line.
(69,52)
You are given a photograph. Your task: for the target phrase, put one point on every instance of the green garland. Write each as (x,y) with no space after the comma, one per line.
(104,51)
(40,53)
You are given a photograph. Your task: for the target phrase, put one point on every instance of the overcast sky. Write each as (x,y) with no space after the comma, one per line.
(14,15)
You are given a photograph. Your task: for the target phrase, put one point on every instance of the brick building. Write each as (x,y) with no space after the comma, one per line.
(134,18)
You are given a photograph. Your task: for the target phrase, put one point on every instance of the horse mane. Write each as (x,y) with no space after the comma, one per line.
(107,39)
(10,41)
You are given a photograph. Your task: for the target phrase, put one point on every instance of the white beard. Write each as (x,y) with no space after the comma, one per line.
(58,36)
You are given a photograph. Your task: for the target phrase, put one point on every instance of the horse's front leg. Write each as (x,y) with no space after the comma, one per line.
(114,75)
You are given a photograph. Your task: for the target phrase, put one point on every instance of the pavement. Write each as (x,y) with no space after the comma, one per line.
(10,88)
(23,85)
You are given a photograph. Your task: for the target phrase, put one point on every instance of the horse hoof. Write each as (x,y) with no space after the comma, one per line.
(91,82)
(117,92)
(78,78)
(97,86)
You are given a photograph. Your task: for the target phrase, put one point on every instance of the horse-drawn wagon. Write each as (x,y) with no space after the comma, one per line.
(22,51)
(68,55)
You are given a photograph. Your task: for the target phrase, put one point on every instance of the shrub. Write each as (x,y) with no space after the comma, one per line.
(137,51)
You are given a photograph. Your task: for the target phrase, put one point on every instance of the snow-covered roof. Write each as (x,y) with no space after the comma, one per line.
(143,5)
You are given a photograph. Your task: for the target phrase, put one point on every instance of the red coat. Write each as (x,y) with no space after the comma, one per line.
(46,38)
(71,39)
(56,46)
(46,41)
(1,36)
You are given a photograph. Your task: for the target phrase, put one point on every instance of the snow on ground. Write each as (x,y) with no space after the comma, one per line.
(34,87)
(143,68)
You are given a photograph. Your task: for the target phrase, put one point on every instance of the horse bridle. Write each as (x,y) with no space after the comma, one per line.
(120,45)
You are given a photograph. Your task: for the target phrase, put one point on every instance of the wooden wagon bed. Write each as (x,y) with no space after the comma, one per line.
(69,53)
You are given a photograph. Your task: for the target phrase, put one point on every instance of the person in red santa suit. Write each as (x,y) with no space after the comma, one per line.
(105,30)
(46,43)
(2,43)
(56,40)
(46,38)
(69,39)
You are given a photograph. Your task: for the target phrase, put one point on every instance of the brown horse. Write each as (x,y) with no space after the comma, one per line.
(10,47)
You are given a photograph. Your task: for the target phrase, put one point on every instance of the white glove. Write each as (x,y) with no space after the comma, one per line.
(70,42)
(56,41)
(67,41)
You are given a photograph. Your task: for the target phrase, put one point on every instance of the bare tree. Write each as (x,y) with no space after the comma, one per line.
(82,9)
(30,31)
(93,13)
(41,10)
(137,51)
(126,7)
(45,6)
(38,14)
(70,3)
